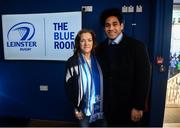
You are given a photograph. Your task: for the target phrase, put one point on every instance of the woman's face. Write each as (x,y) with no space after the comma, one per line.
(86,43)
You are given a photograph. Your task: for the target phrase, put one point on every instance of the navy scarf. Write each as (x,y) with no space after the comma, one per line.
(92,84)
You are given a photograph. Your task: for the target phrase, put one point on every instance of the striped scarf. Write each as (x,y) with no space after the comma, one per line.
(92,81)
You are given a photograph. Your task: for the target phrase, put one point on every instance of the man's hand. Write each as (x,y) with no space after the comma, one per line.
(136,115)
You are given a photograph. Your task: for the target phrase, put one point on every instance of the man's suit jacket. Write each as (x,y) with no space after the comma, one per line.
(126,71)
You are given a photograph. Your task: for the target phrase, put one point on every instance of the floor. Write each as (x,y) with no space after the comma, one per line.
(172,115)
(172,110)
(171,125)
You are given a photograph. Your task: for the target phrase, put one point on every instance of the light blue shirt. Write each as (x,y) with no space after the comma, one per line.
(118,39)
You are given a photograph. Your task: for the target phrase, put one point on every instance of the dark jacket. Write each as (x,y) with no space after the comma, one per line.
(71,81)
(126,70)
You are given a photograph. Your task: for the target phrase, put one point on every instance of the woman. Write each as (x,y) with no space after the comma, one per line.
(84,81)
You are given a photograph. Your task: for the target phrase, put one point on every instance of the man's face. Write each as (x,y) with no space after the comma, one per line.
(113,27)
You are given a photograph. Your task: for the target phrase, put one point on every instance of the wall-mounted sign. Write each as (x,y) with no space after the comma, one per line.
(47,36)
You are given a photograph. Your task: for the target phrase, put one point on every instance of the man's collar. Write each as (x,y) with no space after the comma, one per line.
(117,40)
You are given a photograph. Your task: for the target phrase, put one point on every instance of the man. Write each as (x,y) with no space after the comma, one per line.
(126,70)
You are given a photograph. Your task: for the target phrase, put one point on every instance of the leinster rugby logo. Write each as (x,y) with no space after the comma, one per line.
(21,35)
(21,31)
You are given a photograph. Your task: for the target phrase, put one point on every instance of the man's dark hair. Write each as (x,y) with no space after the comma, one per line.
(111,12)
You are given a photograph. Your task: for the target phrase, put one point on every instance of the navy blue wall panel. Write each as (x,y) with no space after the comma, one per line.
(161,38)
(20,80)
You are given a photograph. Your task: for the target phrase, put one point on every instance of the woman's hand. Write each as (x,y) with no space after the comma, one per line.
(79,114)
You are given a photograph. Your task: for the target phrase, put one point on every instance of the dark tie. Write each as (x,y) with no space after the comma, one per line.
(113,43)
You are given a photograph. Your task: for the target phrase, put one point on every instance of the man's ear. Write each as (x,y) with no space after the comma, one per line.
(122,26)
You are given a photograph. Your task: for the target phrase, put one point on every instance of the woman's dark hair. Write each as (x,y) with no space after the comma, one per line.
(77,49)
(111,12)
